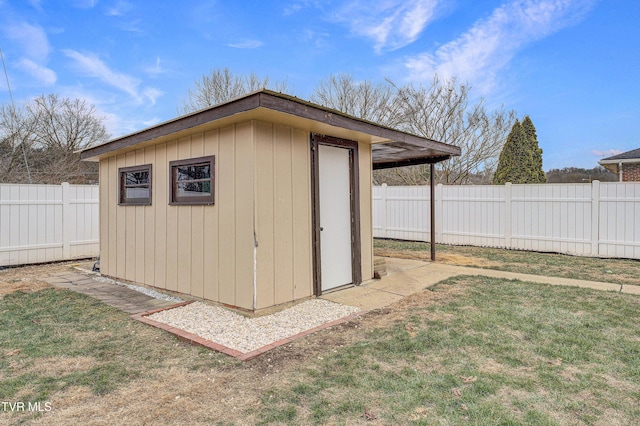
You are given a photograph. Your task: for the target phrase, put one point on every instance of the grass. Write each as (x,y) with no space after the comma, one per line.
(621,271)
(486,352)
(54,340)
(469,350)
(53,325)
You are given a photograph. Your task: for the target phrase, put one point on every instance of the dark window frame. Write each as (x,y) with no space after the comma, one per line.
(175,199)
(123,200)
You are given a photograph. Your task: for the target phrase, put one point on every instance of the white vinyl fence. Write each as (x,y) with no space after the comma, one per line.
(44,223)
(597,219)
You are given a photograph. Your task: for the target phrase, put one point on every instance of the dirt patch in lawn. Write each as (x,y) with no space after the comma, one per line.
(29,278)
(61,365)
(448,258)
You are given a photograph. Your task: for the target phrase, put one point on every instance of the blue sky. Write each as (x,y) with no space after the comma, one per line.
(572,65)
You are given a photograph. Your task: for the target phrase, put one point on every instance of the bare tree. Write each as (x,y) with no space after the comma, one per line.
(362,99)
(221,85)
(65,124)
(441,112)
(48,132)
(15,144)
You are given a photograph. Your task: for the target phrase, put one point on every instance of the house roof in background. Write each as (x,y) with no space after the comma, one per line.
(629,155)
(390,147)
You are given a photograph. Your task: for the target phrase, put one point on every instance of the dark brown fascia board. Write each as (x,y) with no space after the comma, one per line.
(409,162)
(274,101)
(300,108)
(179,124)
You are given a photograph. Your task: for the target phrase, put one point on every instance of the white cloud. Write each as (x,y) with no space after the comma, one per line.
(151,122)
(43,74)
(34,48)
(297,5)
(120,118)
(36,4)
(292,9)
(478,55)
(119,9)
(31,38)
(155,69)
(85,4)
(391,24)
(93,66)
(152,94)
(317,39)
(606,153)
(246,44)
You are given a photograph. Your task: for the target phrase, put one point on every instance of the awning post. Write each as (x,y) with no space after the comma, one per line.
(433,211)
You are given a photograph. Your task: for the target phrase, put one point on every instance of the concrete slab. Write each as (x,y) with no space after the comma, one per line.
(399,283)
(399,265)
(464,270)
(631,289)
(363,297)
(405,277)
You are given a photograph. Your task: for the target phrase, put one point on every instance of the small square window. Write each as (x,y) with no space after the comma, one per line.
(192,181)
(135,185)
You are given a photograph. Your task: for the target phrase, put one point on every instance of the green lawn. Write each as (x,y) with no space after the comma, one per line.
(470,350)
(481,351)
(45,335)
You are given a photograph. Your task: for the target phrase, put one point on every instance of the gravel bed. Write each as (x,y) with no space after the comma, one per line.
(244,334)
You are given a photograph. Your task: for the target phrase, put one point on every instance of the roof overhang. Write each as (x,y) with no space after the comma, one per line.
(622,160)
(390,147)
(612,165)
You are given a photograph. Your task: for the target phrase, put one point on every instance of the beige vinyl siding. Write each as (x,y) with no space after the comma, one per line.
(197,229)
(265,217)
(130,228)
(283,214)
(106,186)
(189,249)
(160,199)
(171,229)
(262,183)
(210,231)
(302,226)
(183,231)
(121,222)
(366,210)
(244,213)
(150,237)
(225,202)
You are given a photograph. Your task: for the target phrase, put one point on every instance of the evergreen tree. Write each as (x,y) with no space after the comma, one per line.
(514,158)
(537,174)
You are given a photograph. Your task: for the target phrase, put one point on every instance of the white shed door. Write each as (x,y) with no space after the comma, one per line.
(335,217)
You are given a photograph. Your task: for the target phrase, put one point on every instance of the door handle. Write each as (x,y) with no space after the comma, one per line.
(321,228)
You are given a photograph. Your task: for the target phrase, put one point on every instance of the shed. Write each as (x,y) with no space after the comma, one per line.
(625,165)
(260,201)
